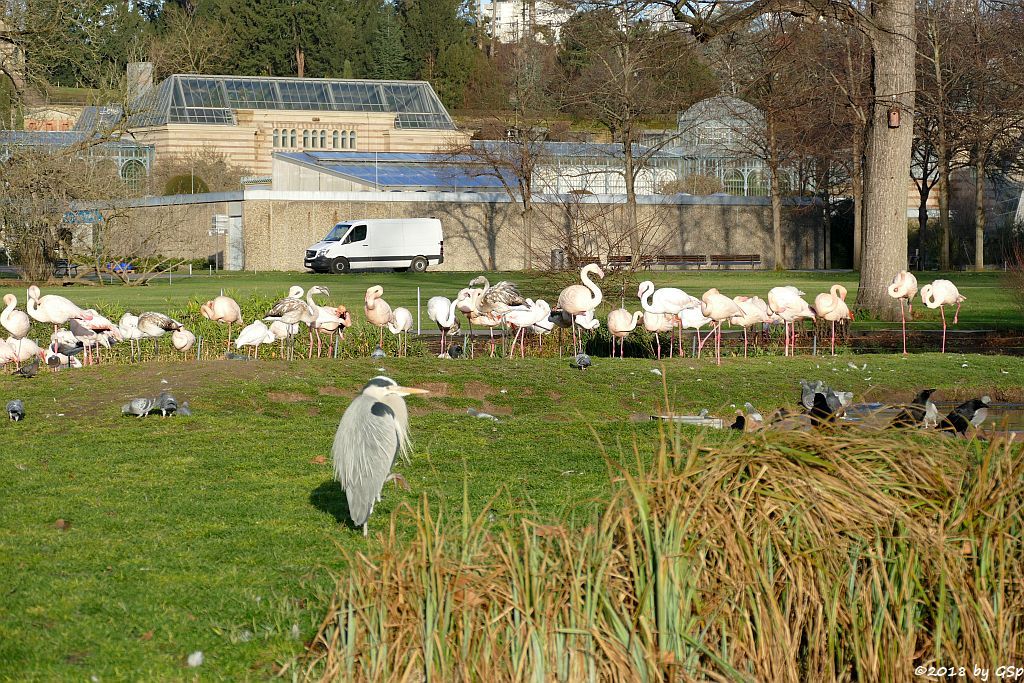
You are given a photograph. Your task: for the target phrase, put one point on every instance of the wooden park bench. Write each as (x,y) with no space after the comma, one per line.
(680,260)
(620,261)
(735,260)
(64,268)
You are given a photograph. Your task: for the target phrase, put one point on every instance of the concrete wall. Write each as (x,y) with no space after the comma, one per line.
(485,230)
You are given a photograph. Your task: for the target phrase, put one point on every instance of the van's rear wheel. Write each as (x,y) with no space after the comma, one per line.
(418,265)
(340,265)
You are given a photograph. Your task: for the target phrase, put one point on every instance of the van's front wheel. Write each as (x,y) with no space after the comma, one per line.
(418,265)
(340,266)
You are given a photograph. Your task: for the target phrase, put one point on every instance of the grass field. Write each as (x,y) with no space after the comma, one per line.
(990,304)
(222,532)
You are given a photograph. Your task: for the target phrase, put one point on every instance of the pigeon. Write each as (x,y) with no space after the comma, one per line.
(165,403)
(231,355)
(582,362)
(752,414)
(378,353)
(807,391)
(140,407)
(30,370)
(821,412)
(973,412)
(913,414)
(741,422)
(16,410)
(476,413)
(184,410)
(455,351)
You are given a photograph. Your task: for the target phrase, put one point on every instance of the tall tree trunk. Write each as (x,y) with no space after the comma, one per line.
(941,147)
(630,178)
(893,79)
(979,211)
(924,191)
(857,180)
(826,222)
(776,196)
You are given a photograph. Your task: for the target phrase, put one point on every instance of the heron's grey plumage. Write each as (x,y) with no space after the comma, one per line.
(16,410)
(372,434)
(140,407)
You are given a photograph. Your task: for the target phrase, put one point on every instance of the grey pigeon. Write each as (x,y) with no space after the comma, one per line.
(184,410)
(16,410)
(582,362)
(752,413)
(806,394)
(231,355)
(378,353)
(165,403)
(476,413)
(30,370)
(455,351)
(140,407)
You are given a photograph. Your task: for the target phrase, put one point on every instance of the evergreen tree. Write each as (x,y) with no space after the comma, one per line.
(388,52)
(438,45)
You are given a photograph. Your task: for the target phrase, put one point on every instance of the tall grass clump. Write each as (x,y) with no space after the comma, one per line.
(775,557)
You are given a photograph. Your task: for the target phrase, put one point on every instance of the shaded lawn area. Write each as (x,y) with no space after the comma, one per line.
(220,532)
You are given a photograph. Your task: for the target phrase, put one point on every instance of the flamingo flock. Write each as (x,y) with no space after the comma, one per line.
(81,335)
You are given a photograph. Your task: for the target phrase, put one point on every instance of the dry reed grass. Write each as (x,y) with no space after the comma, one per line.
(776,557)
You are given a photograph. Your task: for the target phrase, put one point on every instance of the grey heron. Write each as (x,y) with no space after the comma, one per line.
(372,433)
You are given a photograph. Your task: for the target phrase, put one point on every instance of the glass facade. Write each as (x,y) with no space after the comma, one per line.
(185,98)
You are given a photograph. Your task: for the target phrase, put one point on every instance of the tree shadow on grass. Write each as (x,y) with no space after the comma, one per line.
(328,497)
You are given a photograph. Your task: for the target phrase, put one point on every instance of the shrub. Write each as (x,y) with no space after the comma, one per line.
(185,184)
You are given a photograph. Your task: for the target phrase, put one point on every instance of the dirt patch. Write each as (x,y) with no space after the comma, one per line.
(333,391)
(286,397)
(555,395)
(477,390)
(495,410)
(435,388)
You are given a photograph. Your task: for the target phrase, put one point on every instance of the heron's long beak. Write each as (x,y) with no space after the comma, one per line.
(408,391)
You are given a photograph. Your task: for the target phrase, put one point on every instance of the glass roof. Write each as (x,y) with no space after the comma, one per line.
(184,98)
(397,170)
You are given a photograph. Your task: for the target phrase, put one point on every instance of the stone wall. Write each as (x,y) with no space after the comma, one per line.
(486,231)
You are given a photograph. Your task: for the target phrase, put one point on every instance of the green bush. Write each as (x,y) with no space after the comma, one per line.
(186,184)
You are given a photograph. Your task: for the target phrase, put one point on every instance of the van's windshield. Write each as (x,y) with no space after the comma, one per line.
(337,232)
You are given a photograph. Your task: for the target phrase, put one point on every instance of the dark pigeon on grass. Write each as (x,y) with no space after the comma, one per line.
(16,410)
(165,403)
(973,412)
(822,414)
(231,355)
(455,351)
(581,362)
(912,415)
(378,353)
(140,407)
(30,370)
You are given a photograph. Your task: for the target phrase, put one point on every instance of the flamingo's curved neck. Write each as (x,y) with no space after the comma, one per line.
(450,318)
(10,307)
(645,298)
(585,277)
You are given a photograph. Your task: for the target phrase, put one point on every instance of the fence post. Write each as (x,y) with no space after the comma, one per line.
(419,330)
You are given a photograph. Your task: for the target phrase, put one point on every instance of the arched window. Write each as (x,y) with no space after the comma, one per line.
(323,138)
(293,138)
(734,182)
(352,140)
(305,138)
(334,140)
(344,139)
(133,173)
(277,138)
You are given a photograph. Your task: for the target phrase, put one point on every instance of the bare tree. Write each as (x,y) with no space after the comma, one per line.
(620,70)
(188,44)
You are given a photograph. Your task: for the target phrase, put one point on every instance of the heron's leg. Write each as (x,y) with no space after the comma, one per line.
(365,532)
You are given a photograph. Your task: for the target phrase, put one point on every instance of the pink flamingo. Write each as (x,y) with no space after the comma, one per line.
(620,323)
(223,309)
(656,323)
(581,299)
(719,308)
(669,300)
(378,311)
(787,303)
(832,306)
(940,294)
(53,309)
(904,288)
(754,311)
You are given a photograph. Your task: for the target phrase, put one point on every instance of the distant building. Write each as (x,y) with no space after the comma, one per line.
(248,119)
(512,20)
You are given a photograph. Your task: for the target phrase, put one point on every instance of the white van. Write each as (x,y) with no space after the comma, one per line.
(400,243)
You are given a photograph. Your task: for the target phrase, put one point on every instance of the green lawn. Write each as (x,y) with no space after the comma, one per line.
(990,304)
(220,532)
